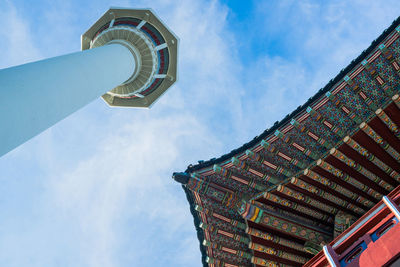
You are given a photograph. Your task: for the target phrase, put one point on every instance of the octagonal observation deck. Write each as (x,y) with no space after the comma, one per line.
(153,45)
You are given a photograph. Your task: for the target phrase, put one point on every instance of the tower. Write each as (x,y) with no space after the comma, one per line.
(129,57)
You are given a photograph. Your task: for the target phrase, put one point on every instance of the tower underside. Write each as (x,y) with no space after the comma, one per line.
(155,48)
(278,199)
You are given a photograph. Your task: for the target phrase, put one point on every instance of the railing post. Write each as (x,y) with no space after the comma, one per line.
(392,206)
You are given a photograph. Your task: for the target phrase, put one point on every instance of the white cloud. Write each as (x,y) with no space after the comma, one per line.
(95,190)
(129,175)
(315,40)
(16,46)
(106,172)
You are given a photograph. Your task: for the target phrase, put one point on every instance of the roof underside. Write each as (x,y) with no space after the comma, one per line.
(301,109)
(331,159)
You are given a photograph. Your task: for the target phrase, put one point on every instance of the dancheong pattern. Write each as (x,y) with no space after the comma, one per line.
(339,189)
(379,140)
(386,72)
(388,122)
(278,199)
(289,215)
(326,195)
(354,102)
(276,252)
(275,238)
(338,173)
(373,91)
(373,177)
(379,163)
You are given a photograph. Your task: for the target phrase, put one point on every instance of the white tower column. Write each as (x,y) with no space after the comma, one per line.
(129,58)
(37,95)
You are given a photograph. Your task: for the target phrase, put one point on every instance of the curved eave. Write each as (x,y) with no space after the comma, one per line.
(196,220)
(302,108)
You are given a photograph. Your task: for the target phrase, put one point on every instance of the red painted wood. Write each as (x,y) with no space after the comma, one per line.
(275,258)
(281,207)
(300,202)
(355,174)
(321,199)
(273,231)
(364,140)
(381,129)
(354,155)
(382,250)
(378,253)
(331,191)
(341,182)
(393,112)
(269,243)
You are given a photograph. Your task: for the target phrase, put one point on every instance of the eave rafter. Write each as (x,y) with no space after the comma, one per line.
(340,190)
(339,154)
(274,151)
(286,225)
(343,192)
(254,183)
(343,198)
(282,255)
(372,158)
(301,209)
(293,216)
(354,182)
(253,170)
(275,239)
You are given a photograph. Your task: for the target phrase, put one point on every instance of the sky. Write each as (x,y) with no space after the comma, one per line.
(96,188)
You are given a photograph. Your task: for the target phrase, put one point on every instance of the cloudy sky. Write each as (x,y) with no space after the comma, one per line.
(96,189)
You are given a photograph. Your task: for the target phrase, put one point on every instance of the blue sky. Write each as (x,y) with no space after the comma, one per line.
(96,189)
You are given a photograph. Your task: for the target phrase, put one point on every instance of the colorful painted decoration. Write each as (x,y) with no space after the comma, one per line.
(304,181)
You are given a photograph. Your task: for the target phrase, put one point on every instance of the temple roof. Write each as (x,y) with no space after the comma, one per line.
(297,184)
(300,109)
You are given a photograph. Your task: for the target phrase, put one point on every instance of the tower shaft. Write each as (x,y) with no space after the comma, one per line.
(37,95)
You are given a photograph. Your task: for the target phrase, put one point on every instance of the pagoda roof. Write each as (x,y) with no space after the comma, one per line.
(300,109)
(293,187)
